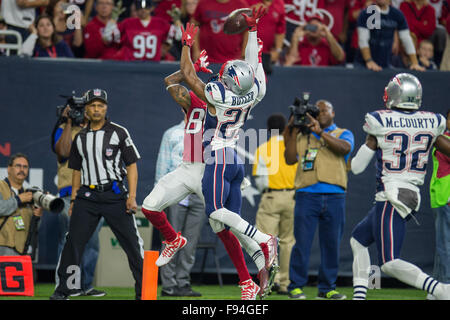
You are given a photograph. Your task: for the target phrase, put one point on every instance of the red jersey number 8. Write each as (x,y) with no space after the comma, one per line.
(195,121)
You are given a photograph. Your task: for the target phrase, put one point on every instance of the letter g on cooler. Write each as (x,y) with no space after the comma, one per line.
(16,276)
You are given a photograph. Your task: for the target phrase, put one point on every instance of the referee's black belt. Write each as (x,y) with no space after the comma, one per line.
(101,187)
(274,190)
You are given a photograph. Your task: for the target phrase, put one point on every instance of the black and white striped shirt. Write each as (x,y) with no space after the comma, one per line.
(100,154)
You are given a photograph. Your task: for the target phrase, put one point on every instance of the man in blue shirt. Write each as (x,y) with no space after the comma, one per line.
(376,28)
(320,183)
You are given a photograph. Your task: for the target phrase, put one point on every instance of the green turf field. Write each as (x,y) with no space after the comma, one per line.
(227,292)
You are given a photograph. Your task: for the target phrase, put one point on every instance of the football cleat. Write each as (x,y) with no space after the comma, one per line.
(170,249)
(249,290)
(270,250)
(263,277)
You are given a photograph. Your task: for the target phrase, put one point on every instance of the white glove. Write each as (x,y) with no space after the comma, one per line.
(111,32)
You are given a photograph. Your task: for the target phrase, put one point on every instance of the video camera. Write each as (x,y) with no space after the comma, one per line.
(46,201)
(76,112)
(300,108)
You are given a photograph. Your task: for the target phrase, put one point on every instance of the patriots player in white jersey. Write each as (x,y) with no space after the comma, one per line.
(187,179)
(401,138)
(240,86)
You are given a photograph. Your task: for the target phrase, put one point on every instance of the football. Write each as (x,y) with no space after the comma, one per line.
(235,22)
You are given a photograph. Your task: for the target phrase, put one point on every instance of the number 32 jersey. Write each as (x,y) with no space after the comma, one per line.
(142,42)
(404,142)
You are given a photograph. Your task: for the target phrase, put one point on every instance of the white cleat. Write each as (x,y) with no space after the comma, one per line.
(170,249)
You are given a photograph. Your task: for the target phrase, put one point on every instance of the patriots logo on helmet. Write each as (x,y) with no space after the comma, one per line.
(232,73)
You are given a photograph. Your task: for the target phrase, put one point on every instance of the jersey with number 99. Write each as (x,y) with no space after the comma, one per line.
(404,142)
(140,42)
(193,130)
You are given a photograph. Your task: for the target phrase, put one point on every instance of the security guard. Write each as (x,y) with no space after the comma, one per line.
(275,180)
(96,158)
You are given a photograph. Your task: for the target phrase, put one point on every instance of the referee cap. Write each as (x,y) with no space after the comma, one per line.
(94,94)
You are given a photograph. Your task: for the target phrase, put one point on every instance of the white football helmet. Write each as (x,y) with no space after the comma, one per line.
(404,91)
(238,76)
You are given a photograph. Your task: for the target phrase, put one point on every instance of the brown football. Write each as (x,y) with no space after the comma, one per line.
(235,22)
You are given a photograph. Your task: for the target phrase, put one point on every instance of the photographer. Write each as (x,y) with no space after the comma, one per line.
(71,121)
(16,208)
(322,151)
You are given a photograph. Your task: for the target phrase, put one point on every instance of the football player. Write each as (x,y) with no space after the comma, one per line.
(240,86)
(401,137)
(187,179)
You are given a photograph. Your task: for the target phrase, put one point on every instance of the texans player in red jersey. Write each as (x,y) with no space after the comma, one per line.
(141,38)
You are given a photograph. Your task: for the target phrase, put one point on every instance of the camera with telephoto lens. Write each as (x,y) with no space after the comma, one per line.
(76,105)
(299,109)
(46,201)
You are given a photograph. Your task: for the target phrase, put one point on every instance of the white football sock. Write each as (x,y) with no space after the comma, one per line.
(361,269)
(412,275)
(252,248)
(234,221)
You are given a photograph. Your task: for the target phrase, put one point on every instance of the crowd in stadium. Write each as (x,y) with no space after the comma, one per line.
(312,33)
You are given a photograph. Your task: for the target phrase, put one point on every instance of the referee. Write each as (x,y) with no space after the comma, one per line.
(96,158)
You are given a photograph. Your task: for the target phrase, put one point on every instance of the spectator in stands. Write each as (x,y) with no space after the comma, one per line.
(3,26)
(375,40)
(339,10)
(314,45)
(351,44)
(179,16)
(271,30)
(445,21)
(421,18)
(210,17)
(20,14)
(43,42)
(101,35)
(425,55)
(59,11)
(141,38)
(163,6)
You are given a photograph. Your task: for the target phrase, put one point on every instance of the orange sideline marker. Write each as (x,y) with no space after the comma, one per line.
(150,275)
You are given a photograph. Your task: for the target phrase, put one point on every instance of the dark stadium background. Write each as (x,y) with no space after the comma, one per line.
(29,90)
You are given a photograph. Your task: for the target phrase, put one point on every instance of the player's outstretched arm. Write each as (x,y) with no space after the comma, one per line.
(251,50)
(186,65)
(364,155)
(442,144)
(178,92)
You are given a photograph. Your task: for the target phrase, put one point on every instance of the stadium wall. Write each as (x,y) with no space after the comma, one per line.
(29,94)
